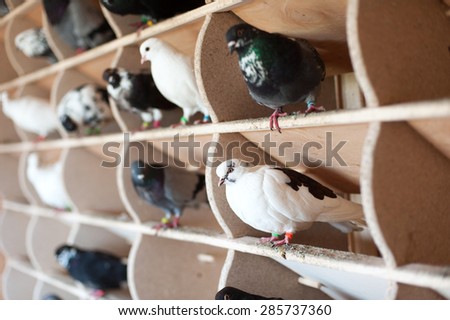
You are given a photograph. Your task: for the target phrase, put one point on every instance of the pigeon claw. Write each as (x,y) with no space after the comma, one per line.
(312,108)
(273,120)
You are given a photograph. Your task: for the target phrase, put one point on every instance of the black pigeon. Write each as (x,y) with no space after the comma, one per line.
(168,188)
(51,296)
(278,70)
(151,11)
(137,93)
(33,43)
(95,269)
(231,293)
(80,23)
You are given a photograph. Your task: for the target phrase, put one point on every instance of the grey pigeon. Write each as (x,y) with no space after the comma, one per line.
(168,188)
(85,106)
(174,77)
(33,43)
(282,201)
(79,23)
(277,70)
(137,93)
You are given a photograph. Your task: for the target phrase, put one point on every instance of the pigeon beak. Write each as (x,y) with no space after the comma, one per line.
(231,46)
(221,181)
(143,59)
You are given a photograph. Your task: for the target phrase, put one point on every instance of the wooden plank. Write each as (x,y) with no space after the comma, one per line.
(436,277)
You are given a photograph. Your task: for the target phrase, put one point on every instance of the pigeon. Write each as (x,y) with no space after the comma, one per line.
(31,114)
(173,73)
(4,10)
(85,106)
(137,93)
(33,43)
(80,24)
(168,188)
(231,293)
(151,11)
(51,296)
(48,181)
(277,70)
(282,201)
(97,270)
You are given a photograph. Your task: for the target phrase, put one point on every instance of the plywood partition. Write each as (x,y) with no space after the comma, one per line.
(17,285)
(391,59)
(8,133)
(122,25)
(158,269)
(263,276)
(91,186)
(9,183)
(12,236)
(42,290)
(8,73)
(42,244)
(413,230)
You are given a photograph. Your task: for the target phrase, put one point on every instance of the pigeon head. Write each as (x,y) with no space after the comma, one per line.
(240,36)
(142,173)
(112,76)
(148,47)
(229,171)
(68,123)
(64,254)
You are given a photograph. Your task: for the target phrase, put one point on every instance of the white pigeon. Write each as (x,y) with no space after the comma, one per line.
(31,114)
(173,73)
(283,201)
(48,182)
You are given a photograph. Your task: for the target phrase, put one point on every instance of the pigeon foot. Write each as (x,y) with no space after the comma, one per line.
(39,139)
(286,240)
(313,108)
(273,120)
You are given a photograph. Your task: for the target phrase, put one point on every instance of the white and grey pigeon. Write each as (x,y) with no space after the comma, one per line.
(137,93)
(33,43)
(80,24)
(282,201)
(174,77)
(31,114)
(171,189)
(48,182)
(85,106)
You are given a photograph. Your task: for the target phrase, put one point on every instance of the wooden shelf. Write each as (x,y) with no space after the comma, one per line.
(391,113)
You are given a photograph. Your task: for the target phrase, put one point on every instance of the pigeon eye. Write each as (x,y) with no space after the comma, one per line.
(147,48)
(240,32)
(230,170)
